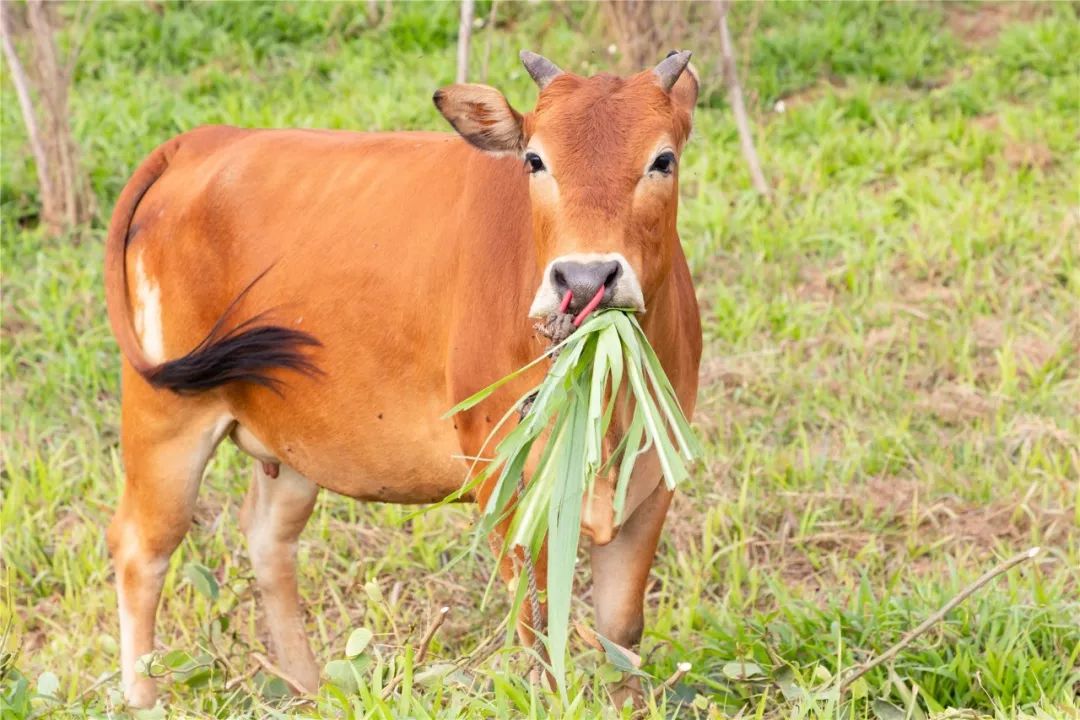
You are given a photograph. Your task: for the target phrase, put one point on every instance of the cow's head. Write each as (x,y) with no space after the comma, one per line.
(602,154)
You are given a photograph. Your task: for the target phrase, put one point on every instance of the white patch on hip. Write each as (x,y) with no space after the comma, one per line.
(627,289)
(148,314)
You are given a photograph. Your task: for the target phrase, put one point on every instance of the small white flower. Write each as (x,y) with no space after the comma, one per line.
(780,107)
(612,49)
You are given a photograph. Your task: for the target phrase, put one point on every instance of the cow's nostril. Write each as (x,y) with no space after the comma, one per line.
(613,275)
(558,279)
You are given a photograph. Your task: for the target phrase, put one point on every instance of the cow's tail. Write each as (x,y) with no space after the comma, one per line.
(247,352)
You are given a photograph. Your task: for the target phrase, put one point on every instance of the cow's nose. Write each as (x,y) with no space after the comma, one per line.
(584,280)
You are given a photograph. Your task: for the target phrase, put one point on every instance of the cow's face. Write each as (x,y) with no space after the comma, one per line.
(602,156)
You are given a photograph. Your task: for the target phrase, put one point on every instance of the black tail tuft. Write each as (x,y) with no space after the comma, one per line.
(245,354)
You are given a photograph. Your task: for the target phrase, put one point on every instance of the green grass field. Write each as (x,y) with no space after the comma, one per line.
(890,393)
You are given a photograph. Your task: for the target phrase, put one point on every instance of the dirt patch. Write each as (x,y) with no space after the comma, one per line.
(981,23)
(1028,155)
(903,513)
(950,519)
(956,404)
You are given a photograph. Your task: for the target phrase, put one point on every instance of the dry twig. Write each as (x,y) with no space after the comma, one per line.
(42,87)
(735,98)
(26,105)
(680,672)
(421,653)
(489,30)
(937,616)
(440,618)
(464,35)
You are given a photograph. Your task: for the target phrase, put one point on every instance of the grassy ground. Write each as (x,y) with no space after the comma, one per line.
(890,390)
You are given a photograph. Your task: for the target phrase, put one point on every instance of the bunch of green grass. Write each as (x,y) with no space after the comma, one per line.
(574,406)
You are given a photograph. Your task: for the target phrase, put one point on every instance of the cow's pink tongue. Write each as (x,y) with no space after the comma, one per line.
(592,305)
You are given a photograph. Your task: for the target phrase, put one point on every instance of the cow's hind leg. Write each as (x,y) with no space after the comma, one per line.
(274,513)
(167,441)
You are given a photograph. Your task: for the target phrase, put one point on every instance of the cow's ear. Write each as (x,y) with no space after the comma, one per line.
(685,92)
(482,116)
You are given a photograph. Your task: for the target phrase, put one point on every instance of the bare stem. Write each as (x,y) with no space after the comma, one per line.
(680,672)
(937,616)
(738,108)
(421,653)
(26,105)
(464,35)
(440,618)
(490,32)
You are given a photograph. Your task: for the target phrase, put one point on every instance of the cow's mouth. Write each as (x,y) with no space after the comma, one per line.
(560,324)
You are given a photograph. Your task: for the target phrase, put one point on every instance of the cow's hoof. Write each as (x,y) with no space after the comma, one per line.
(628,691)
(142,693)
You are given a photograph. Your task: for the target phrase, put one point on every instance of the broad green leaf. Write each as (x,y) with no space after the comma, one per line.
(740,670)
(202,579)
(887,711)
(789,686)
(622,659)
(155,713)
(358,642)
(48,684)
(340,673)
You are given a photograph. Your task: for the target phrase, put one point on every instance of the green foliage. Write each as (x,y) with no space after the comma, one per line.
(888,399)
(571,411)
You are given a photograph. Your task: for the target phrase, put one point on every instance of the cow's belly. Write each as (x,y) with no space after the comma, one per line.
(369,424)
(399,455)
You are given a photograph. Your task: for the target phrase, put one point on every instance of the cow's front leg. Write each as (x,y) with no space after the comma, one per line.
(620,570)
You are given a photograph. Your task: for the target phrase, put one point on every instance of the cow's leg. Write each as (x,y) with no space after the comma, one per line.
(167,442)
(274,513)
(620,570)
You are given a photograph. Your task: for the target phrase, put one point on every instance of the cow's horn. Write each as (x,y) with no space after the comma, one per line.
(543,71)
(669,70)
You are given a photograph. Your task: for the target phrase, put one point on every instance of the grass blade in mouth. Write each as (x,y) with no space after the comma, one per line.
(575,404)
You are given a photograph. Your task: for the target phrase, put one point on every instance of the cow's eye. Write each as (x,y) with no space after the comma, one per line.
(664,163)
(533,161)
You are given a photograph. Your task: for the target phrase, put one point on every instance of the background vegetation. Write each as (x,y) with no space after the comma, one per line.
(890,391)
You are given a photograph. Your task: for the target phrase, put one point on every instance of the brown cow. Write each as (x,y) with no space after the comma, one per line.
(322,298)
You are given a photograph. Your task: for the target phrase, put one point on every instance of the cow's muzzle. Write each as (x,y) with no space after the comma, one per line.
(585,280)
(583,276)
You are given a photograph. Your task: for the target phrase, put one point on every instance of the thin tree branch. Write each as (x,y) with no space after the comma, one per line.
(937,616)
(85,24)
(440,618)
(464,35)
(738,108)
(26,105)
(490,31)
(421,654)
(680,672)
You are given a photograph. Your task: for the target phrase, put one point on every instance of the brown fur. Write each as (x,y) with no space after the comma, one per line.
(412,258)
